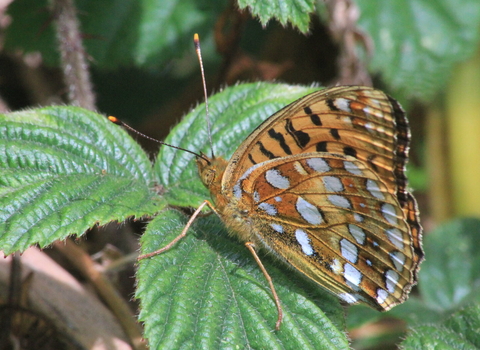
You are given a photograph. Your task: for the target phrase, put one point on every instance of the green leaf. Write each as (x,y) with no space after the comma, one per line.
(460,331)
(418,42)
(467,323)
(415,312)
(234,114)
(450,275)
(207,292)
(63,170)
(117,32)
(358,315)
(296,12)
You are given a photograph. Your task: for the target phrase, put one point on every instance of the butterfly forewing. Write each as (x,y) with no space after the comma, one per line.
(334,220)
(349,120)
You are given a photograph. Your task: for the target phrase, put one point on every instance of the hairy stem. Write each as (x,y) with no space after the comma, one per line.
(72,55)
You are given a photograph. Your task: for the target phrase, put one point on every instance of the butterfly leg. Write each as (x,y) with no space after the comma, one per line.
(251,248)
(181,235)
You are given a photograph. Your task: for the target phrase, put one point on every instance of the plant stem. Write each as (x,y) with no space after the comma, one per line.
(72,55)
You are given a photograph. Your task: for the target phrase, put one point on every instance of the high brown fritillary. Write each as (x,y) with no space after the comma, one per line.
(321,184)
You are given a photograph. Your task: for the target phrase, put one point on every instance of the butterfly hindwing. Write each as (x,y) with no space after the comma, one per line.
(332,218)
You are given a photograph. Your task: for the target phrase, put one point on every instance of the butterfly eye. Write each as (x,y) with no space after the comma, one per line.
(208,176)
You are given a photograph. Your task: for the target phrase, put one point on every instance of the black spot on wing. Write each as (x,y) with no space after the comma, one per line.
(321,146)
(265,151)
(349,151)
(313,117)
(332,106)
(301,138)
(280,139)
(316,119)
(335,134)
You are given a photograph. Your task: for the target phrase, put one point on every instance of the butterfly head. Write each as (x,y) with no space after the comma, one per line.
(211,171)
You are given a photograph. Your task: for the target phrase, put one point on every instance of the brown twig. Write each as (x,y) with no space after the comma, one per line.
(343,17)
(105,289)
(72,55)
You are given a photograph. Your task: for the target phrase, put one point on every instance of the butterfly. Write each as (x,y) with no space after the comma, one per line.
(321,185)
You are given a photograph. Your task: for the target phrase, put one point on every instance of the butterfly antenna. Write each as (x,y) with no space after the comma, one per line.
(196,41)
(117,121)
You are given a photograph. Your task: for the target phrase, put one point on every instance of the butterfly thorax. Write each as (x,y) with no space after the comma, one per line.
(235,213)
